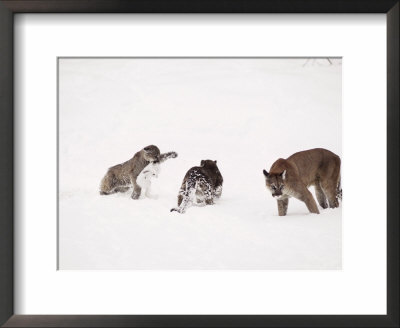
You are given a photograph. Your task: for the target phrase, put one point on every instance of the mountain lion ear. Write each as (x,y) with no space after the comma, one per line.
(266,173)
(202,163)
(283,174)
(215,162)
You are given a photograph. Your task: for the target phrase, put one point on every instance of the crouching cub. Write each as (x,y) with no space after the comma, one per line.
(201,186)
(291,177)
(121,177)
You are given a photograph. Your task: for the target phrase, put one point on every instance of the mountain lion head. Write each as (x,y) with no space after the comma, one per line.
(275,183)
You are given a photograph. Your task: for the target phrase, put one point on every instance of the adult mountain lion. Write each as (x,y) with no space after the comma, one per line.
(292,176)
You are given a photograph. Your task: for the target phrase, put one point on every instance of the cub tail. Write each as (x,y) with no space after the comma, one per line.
(339,192)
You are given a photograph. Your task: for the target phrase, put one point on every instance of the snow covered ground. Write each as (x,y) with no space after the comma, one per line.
(245,113)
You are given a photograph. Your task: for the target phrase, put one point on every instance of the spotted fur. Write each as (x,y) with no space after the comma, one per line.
(201,186)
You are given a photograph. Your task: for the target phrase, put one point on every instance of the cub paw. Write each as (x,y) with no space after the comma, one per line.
(174,154)
(135,195)
(210,202)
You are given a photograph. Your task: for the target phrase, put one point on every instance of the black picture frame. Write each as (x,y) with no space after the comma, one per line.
(10,7)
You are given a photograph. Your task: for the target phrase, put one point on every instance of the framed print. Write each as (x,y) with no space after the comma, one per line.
(149,152)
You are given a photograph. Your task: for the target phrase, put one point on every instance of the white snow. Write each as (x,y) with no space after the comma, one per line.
(245,113)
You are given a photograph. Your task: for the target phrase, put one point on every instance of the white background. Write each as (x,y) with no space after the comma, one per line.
(360,288)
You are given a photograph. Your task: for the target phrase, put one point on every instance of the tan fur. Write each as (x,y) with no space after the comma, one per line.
(120,177)
(291,177)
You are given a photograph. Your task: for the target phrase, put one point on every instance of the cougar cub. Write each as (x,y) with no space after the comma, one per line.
(120,177)
(201,185)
